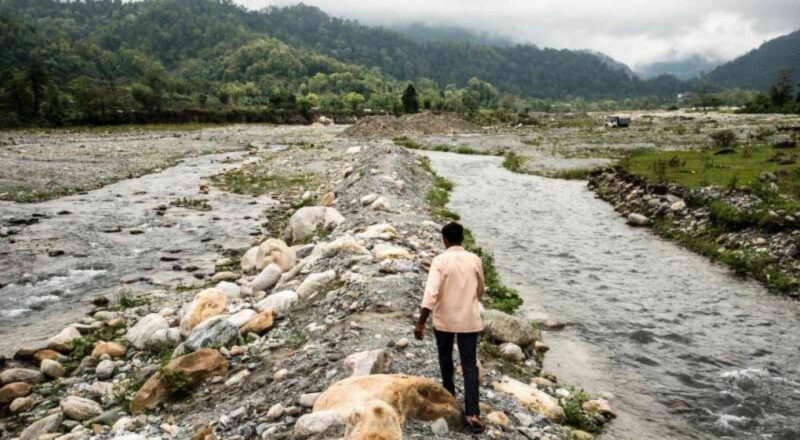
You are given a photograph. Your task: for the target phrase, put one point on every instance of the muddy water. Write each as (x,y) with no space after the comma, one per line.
(113,239)
(688,350)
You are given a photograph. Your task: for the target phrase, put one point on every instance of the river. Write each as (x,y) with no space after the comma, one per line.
(686,349)
(123,237)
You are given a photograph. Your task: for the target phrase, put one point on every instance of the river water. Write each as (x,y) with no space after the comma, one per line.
(116,238)
(688,350)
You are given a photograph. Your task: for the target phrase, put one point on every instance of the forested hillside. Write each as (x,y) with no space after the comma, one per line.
(760,68)
(100,60)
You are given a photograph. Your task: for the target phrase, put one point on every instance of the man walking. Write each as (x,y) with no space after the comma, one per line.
(455,284)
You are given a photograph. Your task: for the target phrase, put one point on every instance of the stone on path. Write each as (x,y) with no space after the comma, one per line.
(368,362)
(141,334)
(311,220)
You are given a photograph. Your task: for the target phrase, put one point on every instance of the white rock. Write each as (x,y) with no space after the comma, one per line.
(385,251)
(237,378)
(307,400)
(314,282)
(512,351)
(322,424)
(80,409)
(439,427)
(104,370)
(280,302)
(248,261)
(267,279)
(368,199)
(638,220)
(368,362)
(310,220)
(232,290)
(41,427)
(275,412)
(242,317)
(381,204)
(344,243)
(141,334)
(353,150)
(63,341)
(52,368)
(383,231)
(214,332)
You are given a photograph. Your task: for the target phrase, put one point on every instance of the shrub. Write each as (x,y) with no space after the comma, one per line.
(724,138)
(514,162)
(729,217)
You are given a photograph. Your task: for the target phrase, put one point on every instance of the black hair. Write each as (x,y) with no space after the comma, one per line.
(453,233)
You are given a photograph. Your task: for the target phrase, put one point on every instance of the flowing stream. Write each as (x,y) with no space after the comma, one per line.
(687,350)
(125,236)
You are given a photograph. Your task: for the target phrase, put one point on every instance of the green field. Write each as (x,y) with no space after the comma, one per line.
(699,168)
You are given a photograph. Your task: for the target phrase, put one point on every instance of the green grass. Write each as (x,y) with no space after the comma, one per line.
(514,162)
(190,203)
(576,417)
(498,295)
(572,174)
(439,195)
(405,141)
(254,180)
(699,168)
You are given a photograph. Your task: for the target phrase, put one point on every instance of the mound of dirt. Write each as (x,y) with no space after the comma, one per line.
(406,125)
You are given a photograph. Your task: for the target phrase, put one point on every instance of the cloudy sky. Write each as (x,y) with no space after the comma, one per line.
(636,32)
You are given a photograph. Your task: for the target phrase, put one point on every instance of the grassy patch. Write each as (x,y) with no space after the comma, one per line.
(498,295)
(190,203)
(576,417)
(572,174)
(514,162)
(405,141)
(699,168)
(254,180)
(439,194)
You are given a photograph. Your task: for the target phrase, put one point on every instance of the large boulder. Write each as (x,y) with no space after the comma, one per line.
(216,332)
(192,369)
(206,304)
(280,302)
(14,390)
(267,279)
(141,334)
(42,427)
(319,425)
(21,375)
(310,220)
(506,328)
(532,398)
(260,323)
(64,340)
(274,251)
(375,420)
(80,409)
(638,220)
(52,369)
(368,362)
(410,396)
(314,283)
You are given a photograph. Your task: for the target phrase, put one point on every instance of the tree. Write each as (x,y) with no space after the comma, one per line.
(782,91)
(410,102)
(37,77)
(145,96)
(353,100)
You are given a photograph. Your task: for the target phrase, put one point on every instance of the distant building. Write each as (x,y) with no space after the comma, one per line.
(682,97)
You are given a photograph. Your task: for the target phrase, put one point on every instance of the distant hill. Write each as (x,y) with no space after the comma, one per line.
(525,70)
(685,69)
(612,63)
(423,33)
(759,68)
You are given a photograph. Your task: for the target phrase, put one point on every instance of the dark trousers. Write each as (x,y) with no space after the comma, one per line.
(467,350)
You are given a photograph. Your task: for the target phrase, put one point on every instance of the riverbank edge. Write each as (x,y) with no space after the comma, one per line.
(684,216)
(109,322)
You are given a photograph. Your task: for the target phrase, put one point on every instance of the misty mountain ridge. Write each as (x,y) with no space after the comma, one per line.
(688,68)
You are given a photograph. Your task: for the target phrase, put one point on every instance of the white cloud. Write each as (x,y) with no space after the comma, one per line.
(636,32)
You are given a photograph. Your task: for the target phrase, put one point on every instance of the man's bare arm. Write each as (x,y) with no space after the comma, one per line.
(419,329)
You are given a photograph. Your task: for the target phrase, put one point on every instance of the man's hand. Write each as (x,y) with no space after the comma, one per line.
(419,331)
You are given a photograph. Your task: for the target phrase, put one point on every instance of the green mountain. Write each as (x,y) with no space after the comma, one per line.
(99,60)
(524,70)
(761,67)
(423,33)
(686,69)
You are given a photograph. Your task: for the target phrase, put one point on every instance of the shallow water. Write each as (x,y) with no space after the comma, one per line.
(43,292)
(688,350)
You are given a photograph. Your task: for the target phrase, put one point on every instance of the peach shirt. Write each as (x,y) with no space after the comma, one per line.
(455,284)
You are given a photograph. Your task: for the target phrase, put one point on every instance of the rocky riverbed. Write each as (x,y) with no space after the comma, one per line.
(301,333)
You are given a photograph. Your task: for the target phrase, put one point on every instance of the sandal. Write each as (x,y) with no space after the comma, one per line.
(475,425)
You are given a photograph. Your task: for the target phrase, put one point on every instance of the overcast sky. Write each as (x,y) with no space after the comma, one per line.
(635,32)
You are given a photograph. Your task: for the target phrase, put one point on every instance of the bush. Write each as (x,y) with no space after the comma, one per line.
(514,162)
(724,139)
(729,217)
